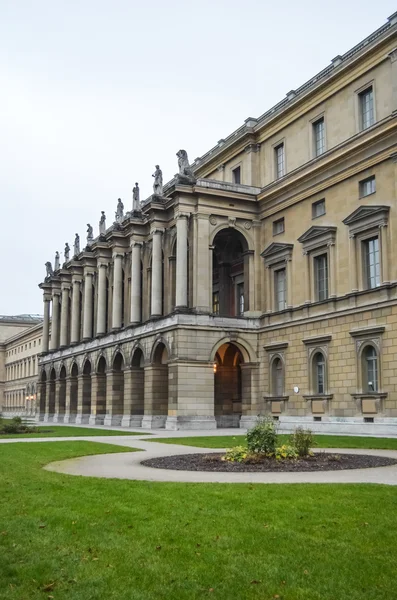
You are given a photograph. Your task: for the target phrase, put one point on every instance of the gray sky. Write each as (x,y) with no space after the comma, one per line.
(94,93)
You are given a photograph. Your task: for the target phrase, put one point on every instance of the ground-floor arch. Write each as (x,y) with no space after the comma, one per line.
(228,385)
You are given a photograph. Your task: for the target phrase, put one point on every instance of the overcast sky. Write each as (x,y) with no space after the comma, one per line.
(94,93)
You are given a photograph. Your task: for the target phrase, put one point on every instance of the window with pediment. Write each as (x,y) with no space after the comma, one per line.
(318,245)
(278,259)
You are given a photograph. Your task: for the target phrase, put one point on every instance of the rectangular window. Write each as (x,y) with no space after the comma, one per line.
(319,137)
(278,226)
(371,263)
(240,299)
(366,100)
(236,173)
(215,303)
(318,209)
(280,289)
(321,276)
(367,186)
(280,161)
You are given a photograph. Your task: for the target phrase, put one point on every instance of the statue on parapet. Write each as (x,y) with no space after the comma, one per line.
(158,182)
(102,223)
(56,263)
(49,269)
(66,252)
(185,174)
(76,248)
(90,234)
(119,211)
(136,204)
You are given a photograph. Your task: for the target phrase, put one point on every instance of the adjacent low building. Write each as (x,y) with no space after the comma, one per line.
(259,280)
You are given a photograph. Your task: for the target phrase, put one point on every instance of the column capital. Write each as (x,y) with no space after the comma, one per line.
(252,148)
(117,255)
(47,297)
(102,264)
(134,243)
(182,215)
(157,230)
(220,167)
(393,55)
(89,273)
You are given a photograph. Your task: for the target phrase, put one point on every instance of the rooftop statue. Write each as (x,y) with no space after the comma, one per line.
(119,211)
(136,205)
(102,223)
(56,263)
(158,182)
(76,248)
(49,269)
(90,233)
(66,252)
(185,174)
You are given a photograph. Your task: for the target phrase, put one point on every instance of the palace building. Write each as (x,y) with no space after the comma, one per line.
(260,280)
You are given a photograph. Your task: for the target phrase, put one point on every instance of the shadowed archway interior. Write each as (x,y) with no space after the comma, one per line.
(228,385)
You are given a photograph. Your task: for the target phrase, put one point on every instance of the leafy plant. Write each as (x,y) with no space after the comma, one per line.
(286,451)
(262,438)
(15,425)
(302,440)
(236,454)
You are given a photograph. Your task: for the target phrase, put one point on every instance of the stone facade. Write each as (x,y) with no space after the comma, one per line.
(263,284)
(19,350)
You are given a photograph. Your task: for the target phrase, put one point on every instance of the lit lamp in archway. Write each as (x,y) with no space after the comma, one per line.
(215,366)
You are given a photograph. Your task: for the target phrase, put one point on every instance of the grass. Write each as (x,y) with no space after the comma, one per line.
(63,431)
(75,538)
(323,441)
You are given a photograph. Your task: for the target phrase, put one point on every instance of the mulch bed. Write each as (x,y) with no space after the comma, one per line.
(321,461)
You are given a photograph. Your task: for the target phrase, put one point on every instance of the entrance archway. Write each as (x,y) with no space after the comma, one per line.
(115,391)
(228,385)
(136,399)
(51,395)
(62,395)
(101,392)
(230,274)
(86,393)
(73,393)
(42,395)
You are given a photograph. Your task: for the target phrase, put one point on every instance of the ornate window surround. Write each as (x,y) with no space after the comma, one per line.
(275,404)
(277,256)
(318,240)
(317,404)
(368,402)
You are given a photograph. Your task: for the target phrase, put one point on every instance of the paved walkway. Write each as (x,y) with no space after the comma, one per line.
(128,465)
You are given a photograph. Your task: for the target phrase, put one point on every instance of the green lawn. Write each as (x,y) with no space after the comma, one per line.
(323,441)
(66,431)
(75,538)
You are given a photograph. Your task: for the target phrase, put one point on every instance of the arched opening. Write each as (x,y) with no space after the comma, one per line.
(277,377)
(115,392)
(319,373)
(134,393)
(62,395)
(99,392)
(228,385)
(51,395)
(84,415)
(230,275)
(156,389)
(73,393)
(370,369)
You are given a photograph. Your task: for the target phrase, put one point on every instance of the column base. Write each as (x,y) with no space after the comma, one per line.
(48,418)
(58,418)
(82,419)
(190,423)
(154,421)
(227,421)
(113,420)
(41,417)
(132,421)
(96,419)
(69,418)
(248,421)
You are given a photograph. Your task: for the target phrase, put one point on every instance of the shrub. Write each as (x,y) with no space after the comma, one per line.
(302,440)
(262,438)
(236,454)
(286,451)
(15,425)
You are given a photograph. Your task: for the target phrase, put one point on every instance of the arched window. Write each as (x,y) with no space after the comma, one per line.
(370,369)
(277,378)
(319,373)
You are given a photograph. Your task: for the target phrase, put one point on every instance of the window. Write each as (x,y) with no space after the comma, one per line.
(280,289)
(370,369)
(321,276)
(280,160)
(278,226)
(367,186)
(215,303)
(319,137)
(240,299)
(236,173)
(371,263)
(318,209)
(366,100)
(319,373)
(34,343)
(277,378)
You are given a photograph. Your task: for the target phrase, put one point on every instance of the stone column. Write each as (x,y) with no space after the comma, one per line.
(83,398)
(114,397)
(181,261)
(101,324)
(332,270)
(40,396)
(157,273)
(393,60)
(307,279)
(117,291)
(87,323)
(384,254)
(46,323)
(288,266)
(136,290)
(75,332)
(353,262)
(133,397)
(54,341)
(202,265)
(64,316)
(68,383)
(58,385)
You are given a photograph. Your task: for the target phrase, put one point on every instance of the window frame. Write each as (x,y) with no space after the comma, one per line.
(318,203)
(315,123)
(277,256)
(359,95)
(276,146)
(362,183)
(315,378)
(239,170)
(277,222)
(276,299)
(365,265)
(315,258)
(365,371)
